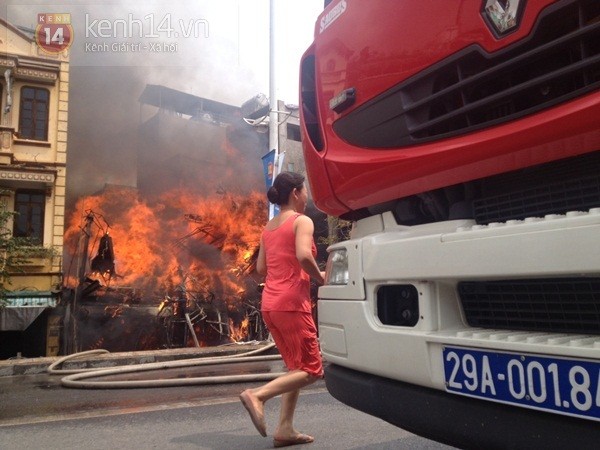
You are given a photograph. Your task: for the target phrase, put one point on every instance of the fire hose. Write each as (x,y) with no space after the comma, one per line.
(76,377)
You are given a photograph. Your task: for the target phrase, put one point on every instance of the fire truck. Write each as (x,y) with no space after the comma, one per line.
(462,141)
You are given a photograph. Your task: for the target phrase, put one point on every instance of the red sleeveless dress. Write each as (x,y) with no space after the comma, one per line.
(286,306)
(287,286)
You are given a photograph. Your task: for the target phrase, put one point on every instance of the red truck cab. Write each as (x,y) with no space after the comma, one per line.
(462,139)
(420,98)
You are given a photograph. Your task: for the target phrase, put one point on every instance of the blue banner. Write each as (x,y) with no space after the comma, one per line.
(269,171)
(269,168)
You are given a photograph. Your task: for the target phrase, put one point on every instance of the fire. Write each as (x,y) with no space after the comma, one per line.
(239,333)
(203,244)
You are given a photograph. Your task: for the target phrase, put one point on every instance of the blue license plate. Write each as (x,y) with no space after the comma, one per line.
(564,386)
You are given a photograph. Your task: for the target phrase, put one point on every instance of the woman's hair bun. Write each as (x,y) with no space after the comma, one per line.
(273,195)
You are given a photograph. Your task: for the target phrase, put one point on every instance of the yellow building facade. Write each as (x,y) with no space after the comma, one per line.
(34,105)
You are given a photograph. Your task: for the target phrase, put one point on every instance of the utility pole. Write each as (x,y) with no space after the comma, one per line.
(84,243)
(273,115)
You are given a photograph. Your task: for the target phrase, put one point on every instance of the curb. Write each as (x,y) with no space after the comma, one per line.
(34,366)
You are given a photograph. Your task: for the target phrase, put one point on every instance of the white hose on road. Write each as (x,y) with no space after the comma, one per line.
(54,371)
(75,380)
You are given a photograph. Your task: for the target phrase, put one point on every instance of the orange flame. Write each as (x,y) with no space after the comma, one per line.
(239,333)
(209,239)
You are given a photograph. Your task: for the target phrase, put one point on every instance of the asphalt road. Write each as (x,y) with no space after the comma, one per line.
(37,412)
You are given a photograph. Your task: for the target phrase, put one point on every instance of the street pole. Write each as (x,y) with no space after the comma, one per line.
(84,243)
(273,116)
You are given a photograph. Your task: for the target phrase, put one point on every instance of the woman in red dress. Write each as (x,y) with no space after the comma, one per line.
(287,258)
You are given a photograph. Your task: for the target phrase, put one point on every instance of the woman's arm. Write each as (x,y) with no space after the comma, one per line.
(304,229)
(261,261)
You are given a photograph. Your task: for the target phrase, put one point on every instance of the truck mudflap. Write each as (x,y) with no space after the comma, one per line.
(456,420)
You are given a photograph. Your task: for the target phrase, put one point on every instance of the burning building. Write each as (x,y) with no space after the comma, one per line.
(168,262)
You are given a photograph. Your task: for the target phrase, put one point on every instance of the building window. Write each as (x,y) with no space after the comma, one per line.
(29,221)
(33,118)
(293,132)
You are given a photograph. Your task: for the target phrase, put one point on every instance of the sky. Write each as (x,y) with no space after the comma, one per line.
(215,49)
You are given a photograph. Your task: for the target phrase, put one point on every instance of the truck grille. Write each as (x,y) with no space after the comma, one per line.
(473,89)
(557,198)
(550,305)
(557,187)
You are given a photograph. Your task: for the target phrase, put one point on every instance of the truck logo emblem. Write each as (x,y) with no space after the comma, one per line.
(332,15)
(503,16)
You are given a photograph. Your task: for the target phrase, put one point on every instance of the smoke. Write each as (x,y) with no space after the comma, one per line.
(203,49)
(103,126)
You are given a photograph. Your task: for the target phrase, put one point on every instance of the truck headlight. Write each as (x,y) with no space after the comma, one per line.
(336,272)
